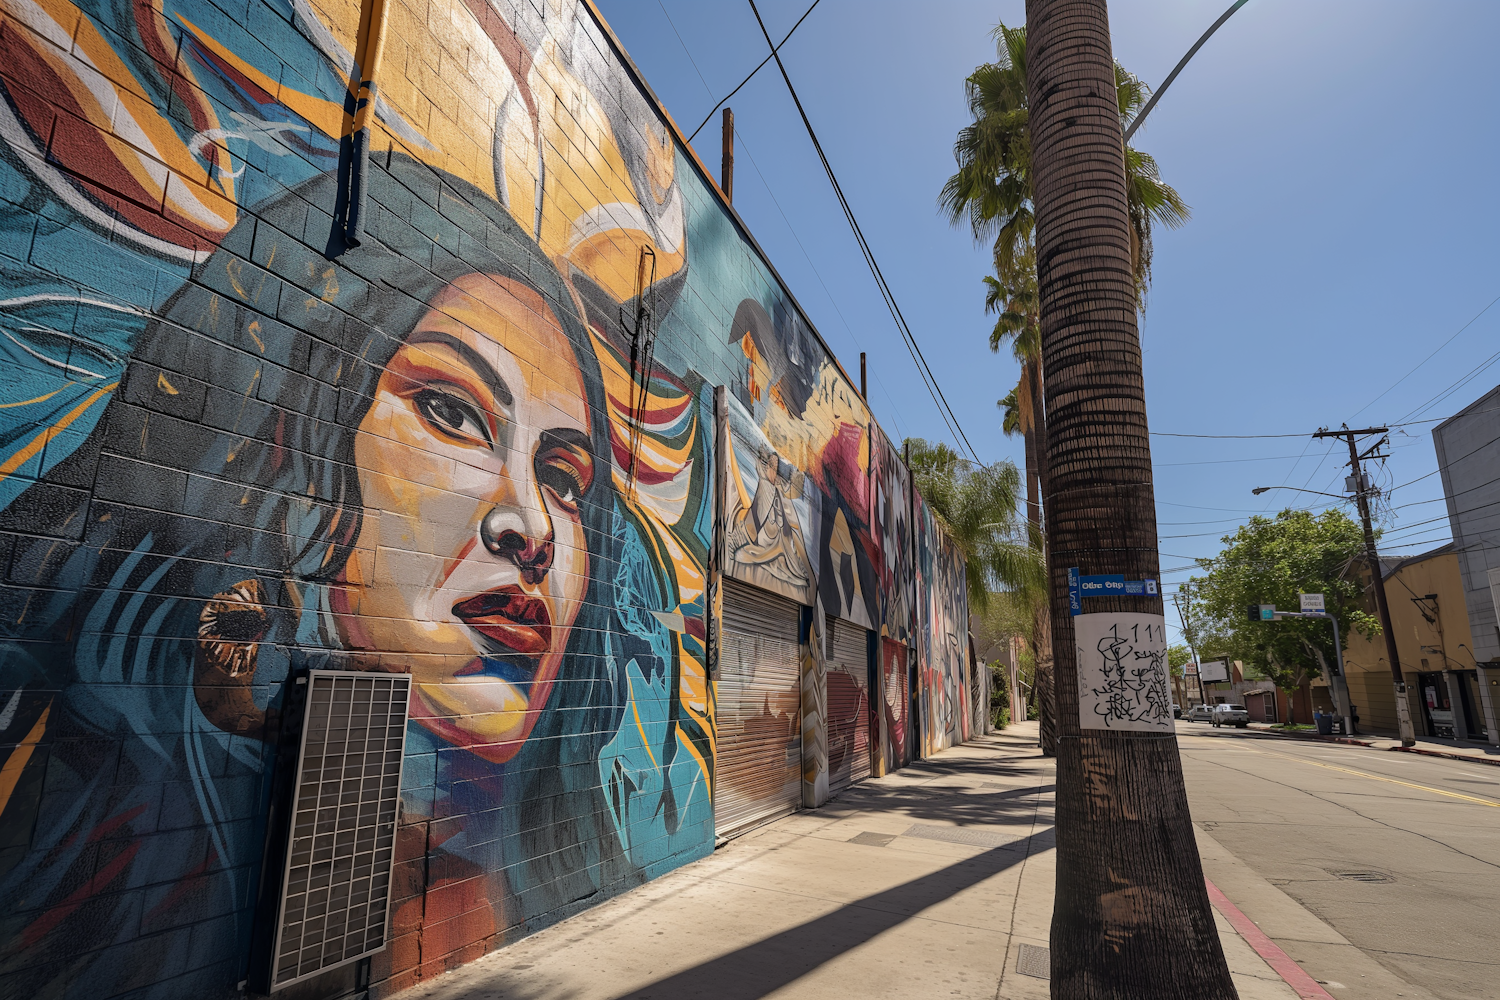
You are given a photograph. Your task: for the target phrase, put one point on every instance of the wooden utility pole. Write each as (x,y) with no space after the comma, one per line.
(726,165)
(1377,578)
(1131,917)
(862,393)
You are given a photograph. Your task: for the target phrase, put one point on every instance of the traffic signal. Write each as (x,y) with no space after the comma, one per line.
(1253,612)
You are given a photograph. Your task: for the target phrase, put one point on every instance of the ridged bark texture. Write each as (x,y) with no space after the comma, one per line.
(1132,917)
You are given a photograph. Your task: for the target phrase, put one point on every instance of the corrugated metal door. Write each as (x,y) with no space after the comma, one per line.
(848,703)
(758,767)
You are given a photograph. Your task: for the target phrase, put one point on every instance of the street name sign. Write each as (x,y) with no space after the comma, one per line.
(1105,585)
(1311,602)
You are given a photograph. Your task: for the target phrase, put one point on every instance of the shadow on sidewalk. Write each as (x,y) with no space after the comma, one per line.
(755,970)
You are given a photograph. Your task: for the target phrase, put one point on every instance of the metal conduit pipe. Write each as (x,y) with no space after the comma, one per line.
(369,48)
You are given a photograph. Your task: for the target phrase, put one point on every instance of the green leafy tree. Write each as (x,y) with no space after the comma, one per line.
(1272,560)
(977,506)
(1178,656)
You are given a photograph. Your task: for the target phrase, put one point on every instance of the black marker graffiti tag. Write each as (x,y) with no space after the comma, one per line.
(1135,683)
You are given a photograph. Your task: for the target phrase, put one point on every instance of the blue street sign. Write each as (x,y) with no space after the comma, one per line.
(1105,585)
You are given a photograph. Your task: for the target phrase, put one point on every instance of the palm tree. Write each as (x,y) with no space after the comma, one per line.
(1131,916)
(976,505)
(992,189)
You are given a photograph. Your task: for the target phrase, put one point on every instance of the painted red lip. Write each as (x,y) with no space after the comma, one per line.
(509,617)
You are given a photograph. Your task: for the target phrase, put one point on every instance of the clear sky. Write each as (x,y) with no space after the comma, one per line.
(1341,159)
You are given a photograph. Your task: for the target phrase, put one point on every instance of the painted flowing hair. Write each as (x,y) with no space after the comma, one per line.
(218,502)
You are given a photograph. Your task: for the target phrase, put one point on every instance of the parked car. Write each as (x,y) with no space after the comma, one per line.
(1176,710)
(1200,713)
(1230,715)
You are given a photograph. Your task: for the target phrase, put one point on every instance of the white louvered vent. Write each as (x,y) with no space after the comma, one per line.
(335,894)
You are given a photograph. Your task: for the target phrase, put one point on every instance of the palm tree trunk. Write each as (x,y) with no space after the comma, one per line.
(1131,917)
(1033,493)
(1046,705)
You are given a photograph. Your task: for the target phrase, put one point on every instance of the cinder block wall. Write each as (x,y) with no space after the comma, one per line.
(476,448)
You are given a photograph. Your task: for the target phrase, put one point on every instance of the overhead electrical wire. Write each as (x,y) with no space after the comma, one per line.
(759,66)
(1463,380)
(895,409)
(923,369)
(1429,357)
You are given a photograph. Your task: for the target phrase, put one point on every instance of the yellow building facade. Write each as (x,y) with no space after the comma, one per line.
(1449,694)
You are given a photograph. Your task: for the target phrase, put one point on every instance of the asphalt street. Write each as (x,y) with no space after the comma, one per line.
(1398,852)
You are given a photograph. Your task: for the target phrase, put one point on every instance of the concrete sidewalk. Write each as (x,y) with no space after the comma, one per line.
(935,880)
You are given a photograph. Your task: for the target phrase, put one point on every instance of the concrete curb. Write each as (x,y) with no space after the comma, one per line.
(1280,962)
(1493,762)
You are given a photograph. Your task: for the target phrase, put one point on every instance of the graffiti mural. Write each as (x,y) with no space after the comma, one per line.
(472,441)
(942,634)
(896,698)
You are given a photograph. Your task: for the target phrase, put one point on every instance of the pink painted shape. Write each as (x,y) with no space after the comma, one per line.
(1306,986)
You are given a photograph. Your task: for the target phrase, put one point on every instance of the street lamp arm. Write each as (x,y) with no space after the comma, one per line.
(1262,489)
(1178,68)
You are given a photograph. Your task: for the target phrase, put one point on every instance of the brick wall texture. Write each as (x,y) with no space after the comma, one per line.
(479,448)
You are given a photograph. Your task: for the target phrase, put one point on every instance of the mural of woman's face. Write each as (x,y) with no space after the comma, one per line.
(471,562)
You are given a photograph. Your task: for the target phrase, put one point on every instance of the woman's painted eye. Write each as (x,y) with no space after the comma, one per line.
(563,479)
(452,416)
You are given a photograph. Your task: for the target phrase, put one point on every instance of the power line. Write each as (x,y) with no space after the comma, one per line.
(875,372)
(1259,437)
(895,409)
(1226,437)
(1464,380)
(1223,461)
(923,369)
(752,73)
(1429,357)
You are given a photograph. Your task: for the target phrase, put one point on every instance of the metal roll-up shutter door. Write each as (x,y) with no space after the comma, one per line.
(758,766)
(848,703)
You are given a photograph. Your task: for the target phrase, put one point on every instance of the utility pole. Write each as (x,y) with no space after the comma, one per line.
(862,394)
(1192,646)
(1362,498)
(726,164)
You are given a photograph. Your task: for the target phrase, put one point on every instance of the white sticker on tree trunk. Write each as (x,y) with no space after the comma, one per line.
(1122,672)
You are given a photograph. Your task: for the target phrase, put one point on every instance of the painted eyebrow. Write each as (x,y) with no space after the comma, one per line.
(471,357)
(567,437)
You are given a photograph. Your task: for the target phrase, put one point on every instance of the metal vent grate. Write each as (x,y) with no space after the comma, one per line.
(1361,875)
(1032,960)
(961,835)
(335,893)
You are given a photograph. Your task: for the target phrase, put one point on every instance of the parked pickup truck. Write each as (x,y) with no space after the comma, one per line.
(1230,715)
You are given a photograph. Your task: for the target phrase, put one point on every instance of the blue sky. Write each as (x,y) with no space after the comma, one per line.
(1339,157)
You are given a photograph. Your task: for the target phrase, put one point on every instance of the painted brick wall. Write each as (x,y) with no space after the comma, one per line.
(477,448)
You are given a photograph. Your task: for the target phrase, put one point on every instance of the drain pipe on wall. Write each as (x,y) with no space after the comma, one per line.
(360,105)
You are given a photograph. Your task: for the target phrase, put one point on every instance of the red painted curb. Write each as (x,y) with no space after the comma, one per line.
(1306,986)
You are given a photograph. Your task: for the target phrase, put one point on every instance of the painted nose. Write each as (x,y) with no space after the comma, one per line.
(532,556)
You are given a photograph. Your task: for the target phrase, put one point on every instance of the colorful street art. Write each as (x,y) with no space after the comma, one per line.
(476,447)
(896,699)
(942,635)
